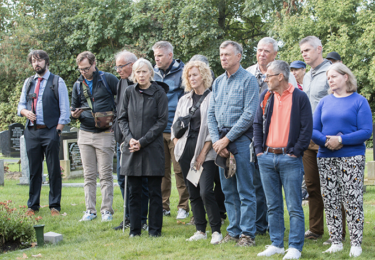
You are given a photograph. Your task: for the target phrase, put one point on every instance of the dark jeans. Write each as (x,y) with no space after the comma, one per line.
(203,195)
(121,183)
(42,142)
(135,205)
(219,195)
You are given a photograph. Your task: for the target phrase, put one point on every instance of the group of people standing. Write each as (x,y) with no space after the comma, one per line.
(264,127)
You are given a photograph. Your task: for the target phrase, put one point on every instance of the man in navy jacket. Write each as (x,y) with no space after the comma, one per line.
(282,132)
(169,71)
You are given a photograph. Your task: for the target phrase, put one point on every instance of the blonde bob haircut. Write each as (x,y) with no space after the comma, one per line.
(204,70)
(138,65)
(351,83)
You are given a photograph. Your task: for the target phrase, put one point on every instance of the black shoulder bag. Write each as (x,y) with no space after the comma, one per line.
(182,123)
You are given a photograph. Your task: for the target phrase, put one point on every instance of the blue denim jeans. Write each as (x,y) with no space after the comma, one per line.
(240,200)
(121,183)
(279,171)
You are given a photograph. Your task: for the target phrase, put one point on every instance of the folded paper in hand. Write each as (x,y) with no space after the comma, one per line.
(194,175)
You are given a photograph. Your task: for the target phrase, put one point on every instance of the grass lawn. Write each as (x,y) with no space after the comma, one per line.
(97,240)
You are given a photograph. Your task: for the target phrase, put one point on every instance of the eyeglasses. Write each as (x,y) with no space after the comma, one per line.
(268,76)
(121,66)
(84,69)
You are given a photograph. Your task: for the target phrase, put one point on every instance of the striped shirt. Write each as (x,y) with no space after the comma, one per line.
(233,104)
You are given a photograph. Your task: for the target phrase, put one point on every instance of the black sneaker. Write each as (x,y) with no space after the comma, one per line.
(127,224)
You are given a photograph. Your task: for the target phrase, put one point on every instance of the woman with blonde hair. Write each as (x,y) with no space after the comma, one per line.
(193,150)
(342,123)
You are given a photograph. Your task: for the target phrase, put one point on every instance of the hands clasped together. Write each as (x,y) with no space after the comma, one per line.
(134,145)
(333,142)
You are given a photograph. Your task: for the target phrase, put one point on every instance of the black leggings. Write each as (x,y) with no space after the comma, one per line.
(203,196)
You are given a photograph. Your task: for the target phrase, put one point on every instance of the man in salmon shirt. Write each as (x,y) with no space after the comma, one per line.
(280,140)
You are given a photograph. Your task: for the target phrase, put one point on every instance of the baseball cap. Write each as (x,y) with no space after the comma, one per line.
(333,55)
(298,65)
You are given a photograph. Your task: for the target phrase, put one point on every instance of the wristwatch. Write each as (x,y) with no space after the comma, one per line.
(58,131)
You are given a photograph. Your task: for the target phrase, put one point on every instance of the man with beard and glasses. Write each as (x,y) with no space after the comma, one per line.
(45,103)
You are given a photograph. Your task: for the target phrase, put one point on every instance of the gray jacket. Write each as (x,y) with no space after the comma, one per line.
(184,104)
(315,84)
(263,85)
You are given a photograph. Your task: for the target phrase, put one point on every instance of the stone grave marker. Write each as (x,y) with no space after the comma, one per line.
(15,132)
(73,168)
(4,143)
(66,136)
(2,173)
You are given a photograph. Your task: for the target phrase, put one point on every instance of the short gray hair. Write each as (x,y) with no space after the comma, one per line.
(127,55)
(280,66)
(163,45)
(269,40)
(138,64)
(201,58)
(314,41)
(236,46)
(351,83)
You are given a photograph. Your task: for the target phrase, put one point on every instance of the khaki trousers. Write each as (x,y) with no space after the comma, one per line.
(166,184)
(312,179)
(97,151)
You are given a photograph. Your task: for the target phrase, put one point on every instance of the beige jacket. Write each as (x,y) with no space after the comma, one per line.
(183,106)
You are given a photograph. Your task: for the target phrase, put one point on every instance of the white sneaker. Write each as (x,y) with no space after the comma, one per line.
(107,216)
(181,214)
(271,250)
(355,251)
(292,253)
(88,216)
(216,238)
(197,236)
(334,248)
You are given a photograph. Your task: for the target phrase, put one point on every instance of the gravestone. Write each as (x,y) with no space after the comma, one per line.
(72,154)
(25,179)
(4,143)
(15,132)
(2,173)
(66,129)
(66,136)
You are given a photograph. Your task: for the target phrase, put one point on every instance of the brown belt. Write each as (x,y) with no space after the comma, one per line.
(274,150)
(39,126)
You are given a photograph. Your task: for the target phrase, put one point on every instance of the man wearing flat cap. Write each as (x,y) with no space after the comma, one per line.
(298,69)
(334,57)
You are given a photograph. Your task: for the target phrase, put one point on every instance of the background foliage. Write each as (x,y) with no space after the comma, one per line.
(66,28)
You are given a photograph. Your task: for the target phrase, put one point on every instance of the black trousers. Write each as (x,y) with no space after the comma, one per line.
(42,142)
(219,195)
(155,221)
(203,195)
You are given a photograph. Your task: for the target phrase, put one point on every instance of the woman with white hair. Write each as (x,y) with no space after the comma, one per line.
(342,123)
(143,118)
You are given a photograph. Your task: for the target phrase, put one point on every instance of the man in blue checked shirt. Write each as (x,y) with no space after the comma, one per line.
(45,103)
(230,118)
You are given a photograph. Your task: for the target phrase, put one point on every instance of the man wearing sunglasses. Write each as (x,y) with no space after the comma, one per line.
(124,67)
(94,92)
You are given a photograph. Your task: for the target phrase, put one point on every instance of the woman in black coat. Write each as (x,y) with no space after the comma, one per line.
(143,118)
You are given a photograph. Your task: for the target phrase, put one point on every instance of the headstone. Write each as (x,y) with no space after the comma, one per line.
(371,171)
(1,172)
(25,179)
(73,154)
(52,237)
(4,143)
(66,129)
(65,136)
(15,132)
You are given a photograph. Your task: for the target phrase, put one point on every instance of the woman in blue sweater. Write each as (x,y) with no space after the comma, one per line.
(342,123)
